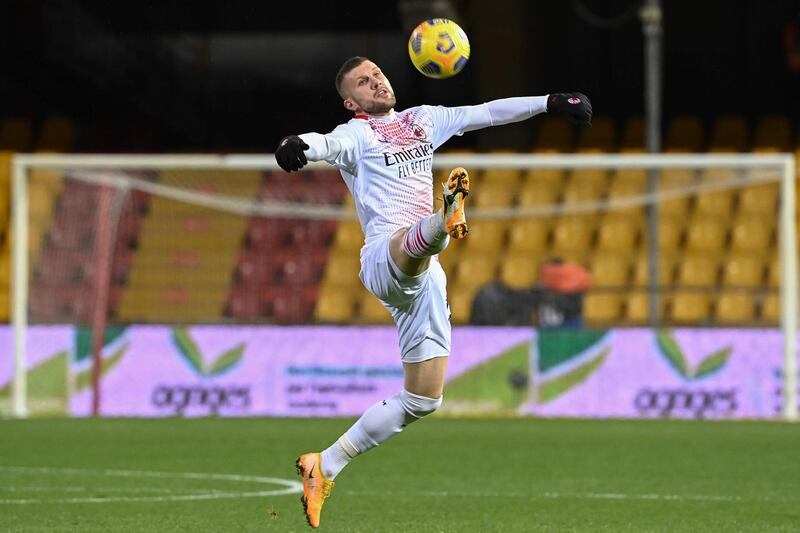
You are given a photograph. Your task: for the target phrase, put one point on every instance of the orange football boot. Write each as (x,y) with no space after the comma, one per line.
(455,191)
(316,487)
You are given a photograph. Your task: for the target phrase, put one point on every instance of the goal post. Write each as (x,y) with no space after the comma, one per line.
(121,171)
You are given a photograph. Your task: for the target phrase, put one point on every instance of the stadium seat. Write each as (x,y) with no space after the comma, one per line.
(520,270)
(735,307)
(348,236)
(758,200)
(572,234)
(684,134)
(335,305)
(666,269)
(690,307)
(586,184)
(5,304)
(618,233)
(743,270)
(601,136)
(771,307)
(504,177)
(312,233)
(670,229)
(637,307)
(627,182)
(774,273)
(459,298)
(752,234)
(476,270)
(496,194)
(372,311)
(674,180)
(609,270)
(715,203)
(264,234)
(718,203)
(245,304)
(342,269)
(529,235)
(551,178)
(535,194)
(294,306)
(553,133)
(633,134)
(302,269)
(626,185)
(773,132)
(601,308)
(486,236)
(16,134)
(705,234)
(697,270)
(58,135)
(729,135)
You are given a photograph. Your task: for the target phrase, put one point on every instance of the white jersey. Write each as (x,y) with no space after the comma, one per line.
(386,163)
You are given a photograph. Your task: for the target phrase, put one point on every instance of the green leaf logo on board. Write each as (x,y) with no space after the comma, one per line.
(113,340)
(566,358)
(669,348)
(190,352)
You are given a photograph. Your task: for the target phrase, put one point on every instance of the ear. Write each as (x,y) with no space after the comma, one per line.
(349,104)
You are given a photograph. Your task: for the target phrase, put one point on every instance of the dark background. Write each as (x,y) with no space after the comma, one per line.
(238,75)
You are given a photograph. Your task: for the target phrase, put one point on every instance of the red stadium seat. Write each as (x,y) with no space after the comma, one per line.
(290,306)
(268,234)
(245,304)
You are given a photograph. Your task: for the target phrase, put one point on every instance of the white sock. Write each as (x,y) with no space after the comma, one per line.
(336,456)
(426,237)
(378,424)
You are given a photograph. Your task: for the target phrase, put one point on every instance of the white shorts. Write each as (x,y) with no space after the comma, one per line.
(418,304)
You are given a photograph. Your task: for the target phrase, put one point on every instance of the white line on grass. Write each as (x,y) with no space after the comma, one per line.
(576,496)
(290,486)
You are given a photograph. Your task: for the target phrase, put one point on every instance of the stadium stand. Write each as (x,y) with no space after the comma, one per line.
(718,263)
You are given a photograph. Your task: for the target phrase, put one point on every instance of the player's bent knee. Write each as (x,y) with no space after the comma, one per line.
(418,406)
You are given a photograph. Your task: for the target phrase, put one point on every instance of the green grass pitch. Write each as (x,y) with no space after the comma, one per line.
(441,475)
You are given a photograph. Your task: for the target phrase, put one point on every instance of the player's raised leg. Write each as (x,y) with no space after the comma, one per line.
(412,247)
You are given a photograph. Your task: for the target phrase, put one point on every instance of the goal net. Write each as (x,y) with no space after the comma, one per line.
(99,243)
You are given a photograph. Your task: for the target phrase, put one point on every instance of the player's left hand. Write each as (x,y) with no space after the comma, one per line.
(576,107)
(290,153)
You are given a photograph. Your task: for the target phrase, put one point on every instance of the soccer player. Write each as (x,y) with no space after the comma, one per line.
(385,158)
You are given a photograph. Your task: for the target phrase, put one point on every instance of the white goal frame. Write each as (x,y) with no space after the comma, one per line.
(784,164)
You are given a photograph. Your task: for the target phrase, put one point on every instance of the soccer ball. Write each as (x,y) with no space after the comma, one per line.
(439,48)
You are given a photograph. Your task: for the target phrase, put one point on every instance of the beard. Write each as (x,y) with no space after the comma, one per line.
(378,107)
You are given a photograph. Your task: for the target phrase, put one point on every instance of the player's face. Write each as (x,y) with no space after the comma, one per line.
(368,91)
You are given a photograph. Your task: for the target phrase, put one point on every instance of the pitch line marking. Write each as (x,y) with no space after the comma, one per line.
(577,495)
(289,486)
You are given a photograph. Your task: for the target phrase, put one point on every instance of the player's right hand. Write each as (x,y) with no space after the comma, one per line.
(290,154)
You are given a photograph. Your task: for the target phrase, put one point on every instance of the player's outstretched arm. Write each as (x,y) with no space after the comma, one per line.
(575,107)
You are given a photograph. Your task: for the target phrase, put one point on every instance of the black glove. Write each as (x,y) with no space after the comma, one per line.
(575,106)
(290,155)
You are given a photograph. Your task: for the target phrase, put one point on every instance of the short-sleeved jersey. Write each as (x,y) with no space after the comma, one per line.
(386,163)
